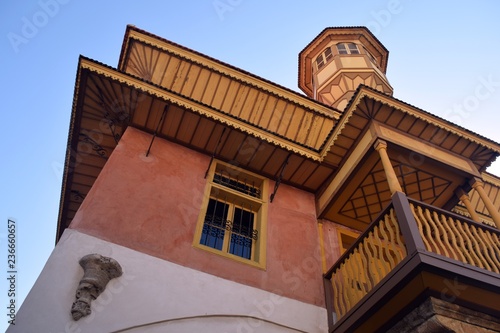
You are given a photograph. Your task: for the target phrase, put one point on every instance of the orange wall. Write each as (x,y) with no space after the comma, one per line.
(151,204)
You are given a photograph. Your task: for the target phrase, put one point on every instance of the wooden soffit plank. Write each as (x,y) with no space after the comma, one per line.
(482,151)
(366,92)
(198,108)
(243,100)
(425,149)
(193,57)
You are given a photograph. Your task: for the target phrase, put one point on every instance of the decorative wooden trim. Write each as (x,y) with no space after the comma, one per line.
(492,179)
(424,148)
(196,108)
(341,124)
(233,73)
(342,175)
(365,92)
(427,117)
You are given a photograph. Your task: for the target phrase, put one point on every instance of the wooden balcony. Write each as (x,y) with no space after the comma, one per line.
(411,252)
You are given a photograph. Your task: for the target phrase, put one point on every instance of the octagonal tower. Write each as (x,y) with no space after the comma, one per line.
(338,60)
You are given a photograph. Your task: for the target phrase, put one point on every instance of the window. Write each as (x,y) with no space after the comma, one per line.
(341,48)
(225,222)
(353,49)
(328,54)
(347,48)
(232,220)
(324,58)
(372,58)
(320,62)
(346,239)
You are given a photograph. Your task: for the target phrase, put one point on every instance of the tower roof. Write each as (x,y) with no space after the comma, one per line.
(318,44)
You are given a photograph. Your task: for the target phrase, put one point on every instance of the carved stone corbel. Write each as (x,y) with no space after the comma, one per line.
(97,271)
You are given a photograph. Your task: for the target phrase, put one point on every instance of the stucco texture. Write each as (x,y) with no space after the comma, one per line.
(151,204)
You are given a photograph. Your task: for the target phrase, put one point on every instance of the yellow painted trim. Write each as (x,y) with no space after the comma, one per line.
(485,219)
(259,253)
(492,179)
(407,109)
(427,117)
(217,66)
(348,233)
(270,138)
(364,145)
(425,149)
(197,108)
(322,246)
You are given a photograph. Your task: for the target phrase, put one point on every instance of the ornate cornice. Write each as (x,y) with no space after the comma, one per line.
(67,158)
(233,73)
(341,124)
(193,106)
(492,179)
(366,92)
(427,117)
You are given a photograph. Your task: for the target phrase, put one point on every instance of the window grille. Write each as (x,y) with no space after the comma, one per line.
(233,216)
(243,185)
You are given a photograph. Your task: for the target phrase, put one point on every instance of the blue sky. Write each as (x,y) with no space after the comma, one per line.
(444,58)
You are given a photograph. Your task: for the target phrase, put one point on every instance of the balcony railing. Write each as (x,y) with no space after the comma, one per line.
(406,229)
(367,262)
(458,238)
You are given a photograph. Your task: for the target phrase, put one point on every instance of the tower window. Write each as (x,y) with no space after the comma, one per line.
(353,48)
(324,58)
(320,62)
(328,53)
(341,48)
(372,58)
(347,48)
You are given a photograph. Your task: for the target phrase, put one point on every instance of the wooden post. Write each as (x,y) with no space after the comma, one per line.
(392,179)
(478,185)
(327,283)
(407,223)
(464,197)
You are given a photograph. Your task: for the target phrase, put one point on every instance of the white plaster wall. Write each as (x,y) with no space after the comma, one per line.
(154,295)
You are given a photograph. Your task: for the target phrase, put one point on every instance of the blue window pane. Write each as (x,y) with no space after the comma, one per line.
(241,246)
(214,228)
(242,232)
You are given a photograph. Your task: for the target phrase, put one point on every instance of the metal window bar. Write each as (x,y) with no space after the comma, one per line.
(242,232)
(236,184)
(218,227)
(214,226)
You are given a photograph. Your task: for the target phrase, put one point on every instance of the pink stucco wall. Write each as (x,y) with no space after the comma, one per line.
(151,204)
(331,241)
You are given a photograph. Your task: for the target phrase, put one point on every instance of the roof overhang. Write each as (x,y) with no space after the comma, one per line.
(431,156)
(259,136)
(213,108)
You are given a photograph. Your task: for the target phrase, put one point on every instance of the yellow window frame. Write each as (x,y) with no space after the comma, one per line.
(214,190)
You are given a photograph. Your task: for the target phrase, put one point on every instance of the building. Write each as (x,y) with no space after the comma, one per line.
(212,200)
